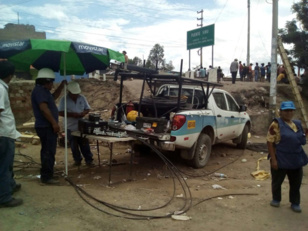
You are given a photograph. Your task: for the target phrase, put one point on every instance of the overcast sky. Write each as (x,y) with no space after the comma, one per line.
(136,26)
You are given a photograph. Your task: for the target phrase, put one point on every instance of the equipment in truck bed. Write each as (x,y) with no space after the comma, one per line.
(154,80)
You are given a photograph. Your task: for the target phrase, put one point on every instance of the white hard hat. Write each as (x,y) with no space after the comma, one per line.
(46,73)
(73,87)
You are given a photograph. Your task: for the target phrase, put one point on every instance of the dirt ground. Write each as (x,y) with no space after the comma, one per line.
(144,199)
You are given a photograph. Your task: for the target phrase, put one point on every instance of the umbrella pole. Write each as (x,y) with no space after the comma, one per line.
(65,128)
(65,117)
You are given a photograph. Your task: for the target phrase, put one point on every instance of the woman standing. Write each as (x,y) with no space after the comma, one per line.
(285,138)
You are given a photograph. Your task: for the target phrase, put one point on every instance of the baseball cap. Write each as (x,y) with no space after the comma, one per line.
(73,87)
(287,105)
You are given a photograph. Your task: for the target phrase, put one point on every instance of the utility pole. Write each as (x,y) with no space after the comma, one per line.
(201,25)
(248,35)
(273,84)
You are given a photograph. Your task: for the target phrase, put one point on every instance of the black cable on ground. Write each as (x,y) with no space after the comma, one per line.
(25,164)
(209,173)
(83,194)
(225,195)
(174,169)
(128,212)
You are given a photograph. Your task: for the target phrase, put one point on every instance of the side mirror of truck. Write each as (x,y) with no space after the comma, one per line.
(242,108)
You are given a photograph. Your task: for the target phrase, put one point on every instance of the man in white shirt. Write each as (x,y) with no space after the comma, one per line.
(233,70)
(8,134)
(77,107)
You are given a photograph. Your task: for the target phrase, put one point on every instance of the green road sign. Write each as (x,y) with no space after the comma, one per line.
(201,37)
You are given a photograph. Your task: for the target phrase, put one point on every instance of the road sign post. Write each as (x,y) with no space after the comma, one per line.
(199,38)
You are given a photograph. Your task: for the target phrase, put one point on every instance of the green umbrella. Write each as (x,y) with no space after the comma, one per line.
(61,56)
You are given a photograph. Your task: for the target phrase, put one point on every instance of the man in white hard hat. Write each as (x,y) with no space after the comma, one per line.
(46,121)
(77,107)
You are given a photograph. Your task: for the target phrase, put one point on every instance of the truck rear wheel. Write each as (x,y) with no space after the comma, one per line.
(244,138)
(202,151)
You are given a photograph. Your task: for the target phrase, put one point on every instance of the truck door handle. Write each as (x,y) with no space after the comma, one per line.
(218,115)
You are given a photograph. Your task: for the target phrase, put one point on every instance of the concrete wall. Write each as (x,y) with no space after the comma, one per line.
(20,98)
(19,31)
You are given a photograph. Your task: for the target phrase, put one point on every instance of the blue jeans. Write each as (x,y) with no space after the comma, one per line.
(48,151)
(7,182)
(80,145)
(256,76)
(234,76)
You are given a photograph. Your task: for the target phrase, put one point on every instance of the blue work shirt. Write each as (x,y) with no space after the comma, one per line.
(202,73)
(289,151)
(39,95)
(79,106)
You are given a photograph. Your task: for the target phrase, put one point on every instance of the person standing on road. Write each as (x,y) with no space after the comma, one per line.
(198,73)
(219,74)
(77,107)
(245,71)
(285,138)
(233,70)
(262,72)
(257,70)
(241,69)
(268,72)
(250,73)
(8,134)
(202,73)
(46,121)
(126,59)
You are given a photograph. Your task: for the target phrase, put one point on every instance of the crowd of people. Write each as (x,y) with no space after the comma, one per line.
(260,73)
(205,72)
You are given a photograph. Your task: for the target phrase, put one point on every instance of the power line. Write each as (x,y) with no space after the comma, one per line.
(128,44)
(174,43)
(109,36)
(127,11)
(7,6)
(91,26)
(221,11)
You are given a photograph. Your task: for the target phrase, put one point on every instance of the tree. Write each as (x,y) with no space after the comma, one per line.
(168,66)
(296,33)
(156,57)
(136,61)
(148,64)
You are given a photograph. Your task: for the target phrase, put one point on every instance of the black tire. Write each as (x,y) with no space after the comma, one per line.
(202,151)
(244,138)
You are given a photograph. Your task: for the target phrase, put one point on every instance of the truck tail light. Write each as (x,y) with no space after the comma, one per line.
(178,121)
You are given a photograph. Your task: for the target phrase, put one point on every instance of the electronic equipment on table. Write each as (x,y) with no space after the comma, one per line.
(95,126)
